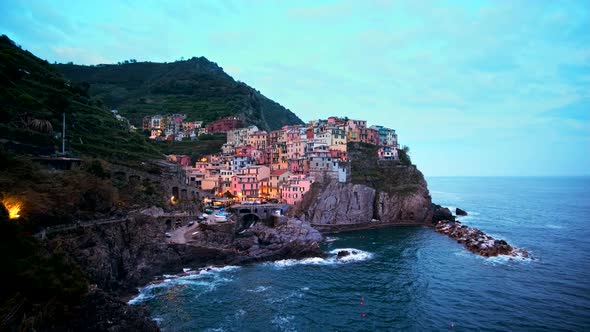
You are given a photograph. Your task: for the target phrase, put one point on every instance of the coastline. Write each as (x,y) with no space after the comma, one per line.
(344,228)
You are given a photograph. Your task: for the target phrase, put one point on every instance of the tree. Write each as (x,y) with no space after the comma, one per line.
(404,155)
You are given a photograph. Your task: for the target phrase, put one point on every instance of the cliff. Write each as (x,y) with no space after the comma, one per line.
(381,193)
(122,256)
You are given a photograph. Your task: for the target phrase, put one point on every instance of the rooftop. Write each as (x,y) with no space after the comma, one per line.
(279,172)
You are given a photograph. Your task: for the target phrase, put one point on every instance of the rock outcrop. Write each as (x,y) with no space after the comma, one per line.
(286,238)
(380,193)
(347,204)
(339,203)
(477,241)
(119,257)
(460,212)
(441,213)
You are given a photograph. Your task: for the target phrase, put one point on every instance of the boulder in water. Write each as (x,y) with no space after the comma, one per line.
(441,213)
(460,212)
(342,253)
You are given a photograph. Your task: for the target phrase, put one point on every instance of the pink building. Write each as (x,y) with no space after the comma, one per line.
(245,186)
(295,187)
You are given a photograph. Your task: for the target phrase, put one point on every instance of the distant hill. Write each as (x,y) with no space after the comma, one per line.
(33,97)
(196,87)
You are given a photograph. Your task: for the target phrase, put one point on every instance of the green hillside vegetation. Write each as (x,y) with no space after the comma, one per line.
(196,87)
(398,177)
(33,97)
(205,145)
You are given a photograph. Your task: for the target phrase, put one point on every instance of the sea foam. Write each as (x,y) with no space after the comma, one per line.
(355,255)
(206,279)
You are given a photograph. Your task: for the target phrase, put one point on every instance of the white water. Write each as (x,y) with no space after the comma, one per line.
(355,255)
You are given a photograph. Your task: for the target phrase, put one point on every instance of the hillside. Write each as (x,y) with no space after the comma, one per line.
(196,87)
(33,96)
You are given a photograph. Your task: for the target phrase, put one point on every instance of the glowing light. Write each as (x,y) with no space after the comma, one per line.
(173,200)
(13,206)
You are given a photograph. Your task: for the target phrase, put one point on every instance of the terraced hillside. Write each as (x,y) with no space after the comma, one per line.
(34,97)
(196,87)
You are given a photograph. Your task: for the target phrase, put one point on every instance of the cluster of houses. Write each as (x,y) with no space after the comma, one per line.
(172,127)
(175,128)
(256,165)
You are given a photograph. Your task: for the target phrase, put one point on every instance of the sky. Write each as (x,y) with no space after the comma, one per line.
(474,88)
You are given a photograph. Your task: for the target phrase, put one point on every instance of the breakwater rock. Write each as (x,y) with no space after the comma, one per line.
(477,241)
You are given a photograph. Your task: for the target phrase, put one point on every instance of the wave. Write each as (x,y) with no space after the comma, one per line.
(355,255)
(498,260)
(507,259)
(259,289)
(331,239)
(284,322)
(207,279)
(553,226)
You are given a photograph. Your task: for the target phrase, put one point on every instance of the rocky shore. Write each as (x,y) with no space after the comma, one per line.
(477,241)
(280,238)
(119,257)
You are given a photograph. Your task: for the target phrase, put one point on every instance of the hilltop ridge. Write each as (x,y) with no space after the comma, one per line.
(196,87)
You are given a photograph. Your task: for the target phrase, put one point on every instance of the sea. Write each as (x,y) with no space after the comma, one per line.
(412,278)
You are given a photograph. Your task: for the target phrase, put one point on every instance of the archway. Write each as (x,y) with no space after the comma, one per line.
(249,220)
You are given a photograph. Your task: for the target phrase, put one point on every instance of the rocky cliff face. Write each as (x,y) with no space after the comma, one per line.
(381,193)
(341,204)
(121,256)
(290,238)
(285,238)
(338,203)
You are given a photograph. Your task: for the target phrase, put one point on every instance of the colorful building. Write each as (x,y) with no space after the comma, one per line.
(295,187)
(224,125)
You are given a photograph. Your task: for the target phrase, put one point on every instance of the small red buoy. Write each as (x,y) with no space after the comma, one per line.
(364,315)
(362,303)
